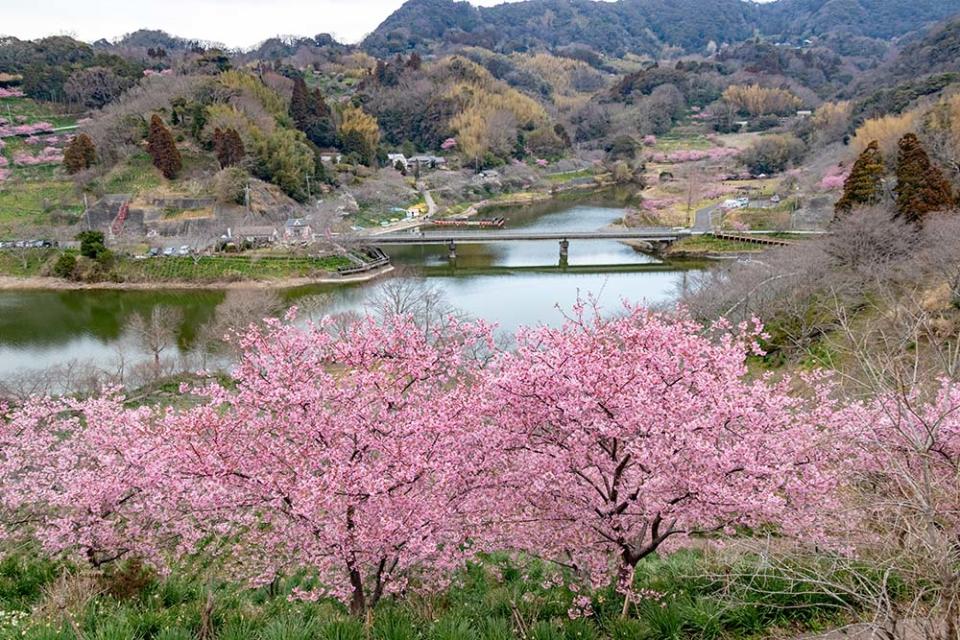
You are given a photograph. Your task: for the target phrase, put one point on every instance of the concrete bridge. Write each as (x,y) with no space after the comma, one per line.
(656,236)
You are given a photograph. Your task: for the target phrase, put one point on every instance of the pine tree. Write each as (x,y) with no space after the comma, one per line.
(921,187)
(80,154)
(863,186)
(162,149)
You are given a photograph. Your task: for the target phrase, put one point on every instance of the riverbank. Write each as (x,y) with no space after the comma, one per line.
(27,283)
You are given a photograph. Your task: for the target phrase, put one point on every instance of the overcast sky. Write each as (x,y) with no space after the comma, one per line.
(237,23)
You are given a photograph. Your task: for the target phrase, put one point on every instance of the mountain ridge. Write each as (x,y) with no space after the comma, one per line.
(650,27)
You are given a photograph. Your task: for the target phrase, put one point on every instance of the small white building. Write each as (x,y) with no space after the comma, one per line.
(427,161)
(297,229)
(394,158)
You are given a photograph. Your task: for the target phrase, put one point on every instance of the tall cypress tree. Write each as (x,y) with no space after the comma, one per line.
(228,147)
(300,104)
(163,149)
(864,184)
(921,187)
(312,115)
(80,154)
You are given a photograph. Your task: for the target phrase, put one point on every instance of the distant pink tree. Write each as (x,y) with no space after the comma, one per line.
(632,433)
(834,178)
(10,93)
(351,453)
(650,141)
(449,143)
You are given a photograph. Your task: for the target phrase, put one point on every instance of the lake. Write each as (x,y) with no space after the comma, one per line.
(508,283)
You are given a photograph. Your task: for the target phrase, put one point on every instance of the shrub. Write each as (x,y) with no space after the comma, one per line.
(772,154)
(92,244)
(65,266)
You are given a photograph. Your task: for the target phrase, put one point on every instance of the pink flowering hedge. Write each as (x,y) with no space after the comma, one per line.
(9,131)
(49,155)
(10,93)
(694,155)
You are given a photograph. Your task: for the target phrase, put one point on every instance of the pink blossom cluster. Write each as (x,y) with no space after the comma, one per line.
(45,140)
(834,179)
(8,131)
(449,143)
(153,72)
(368,450)
(542,163)
(654,204)
(49,155)
(718,192)
(694,155)
(4,174)
(10,93)
(3,161)
(650,141)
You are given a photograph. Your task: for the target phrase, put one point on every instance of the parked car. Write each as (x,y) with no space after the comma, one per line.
(184,250)
(154,252)
(169,251)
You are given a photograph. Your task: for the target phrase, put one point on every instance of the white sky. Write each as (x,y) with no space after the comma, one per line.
(236,23)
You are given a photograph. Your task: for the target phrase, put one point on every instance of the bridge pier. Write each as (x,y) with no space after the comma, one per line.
(564,249)
(452,246)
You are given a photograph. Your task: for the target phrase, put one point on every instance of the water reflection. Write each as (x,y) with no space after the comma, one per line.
(508,283)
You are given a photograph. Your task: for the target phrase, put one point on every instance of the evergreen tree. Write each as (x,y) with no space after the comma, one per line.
(162,149)
(228,146)
(300,104)
(312,115)
(921,187)
(80,154)
(863,186)
(323,132)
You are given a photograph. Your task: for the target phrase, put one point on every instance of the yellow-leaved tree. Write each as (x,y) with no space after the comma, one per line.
(758,101)
(887,131)
(360,134)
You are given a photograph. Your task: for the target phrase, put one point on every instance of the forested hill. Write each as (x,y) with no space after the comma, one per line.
(644,26)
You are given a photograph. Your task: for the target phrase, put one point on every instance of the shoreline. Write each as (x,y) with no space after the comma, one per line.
(47,283)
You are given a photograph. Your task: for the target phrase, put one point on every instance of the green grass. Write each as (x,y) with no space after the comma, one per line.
(32,262)
(710,244)
(225,268)
(11,108)
(568,176)
(134,175)
(499,599)
(675,141)
(25,262)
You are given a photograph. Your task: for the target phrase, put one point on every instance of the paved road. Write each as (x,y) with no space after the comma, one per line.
(703,222)
(428,198)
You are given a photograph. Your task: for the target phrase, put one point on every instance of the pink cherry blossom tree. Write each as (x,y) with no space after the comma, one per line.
(80,477)
(628,435)
(350,452)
